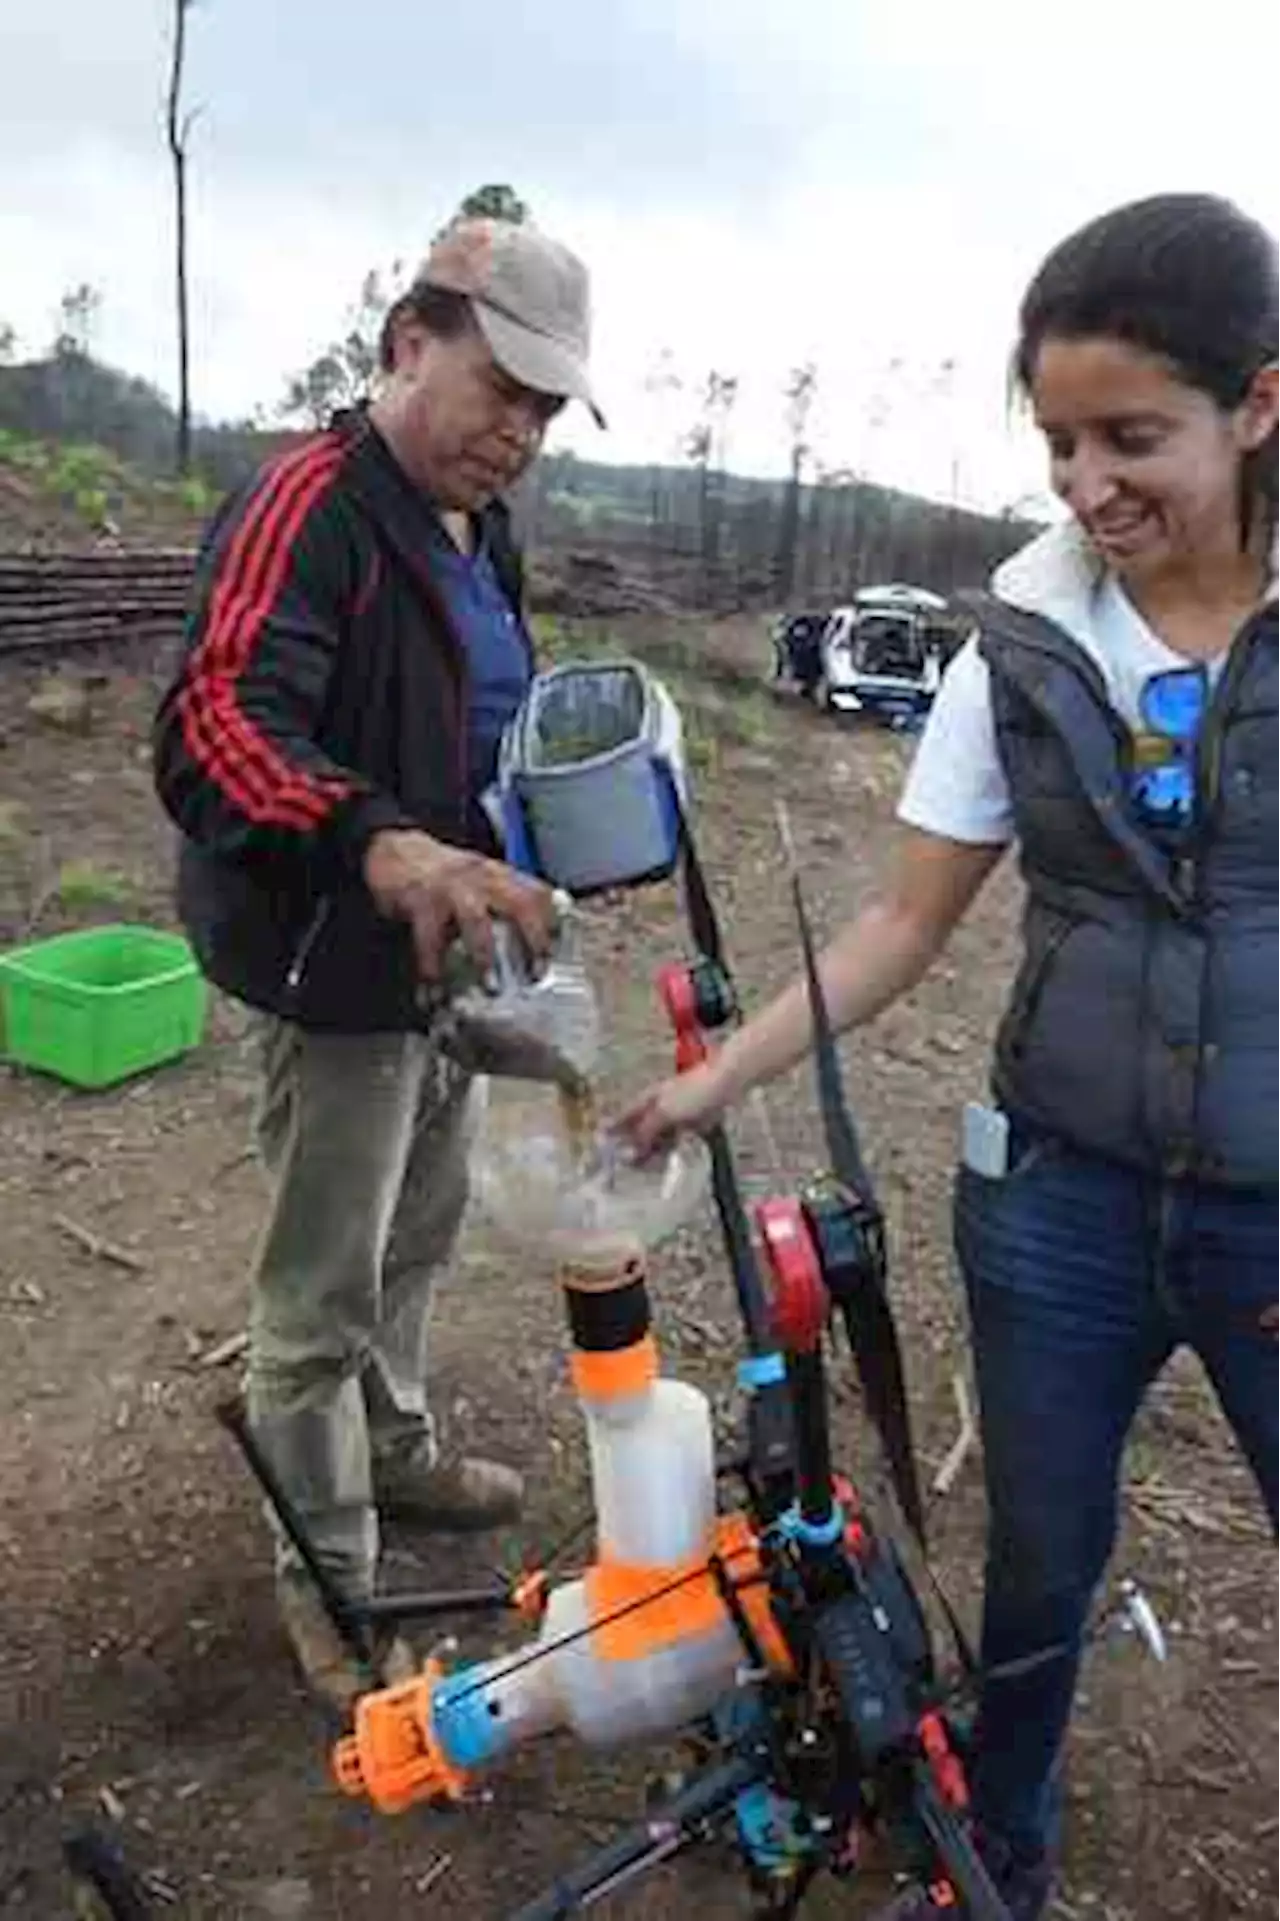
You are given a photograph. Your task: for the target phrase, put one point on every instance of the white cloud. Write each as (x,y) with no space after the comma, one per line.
(866,186)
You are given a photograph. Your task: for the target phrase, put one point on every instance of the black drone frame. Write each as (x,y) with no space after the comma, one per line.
(857,1742)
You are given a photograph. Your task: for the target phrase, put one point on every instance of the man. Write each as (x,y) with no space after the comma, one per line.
(355,649)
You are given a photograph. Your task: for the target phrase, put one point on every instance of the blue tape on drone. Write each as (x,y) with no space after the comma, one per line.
(760,1370)
(769,1828)
(460,1719)
(792,1525)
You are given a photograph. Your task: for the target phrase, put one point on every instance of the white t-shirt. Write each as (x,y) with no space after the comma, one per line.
(956,786)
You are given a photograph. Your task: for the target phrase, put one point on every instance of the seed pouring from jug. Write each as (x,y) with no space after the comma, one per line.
(521,1020)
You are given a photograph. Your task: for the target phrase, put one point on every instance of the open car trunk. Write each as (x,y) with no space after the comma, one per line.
(880,664)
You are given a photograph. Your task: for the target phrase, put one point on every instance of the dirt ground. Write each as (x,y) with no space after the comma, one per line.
(143,1680)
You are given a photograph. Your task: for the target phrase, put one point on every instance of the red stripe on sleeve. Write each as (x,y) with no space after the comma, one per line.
(240,572)
(219,736)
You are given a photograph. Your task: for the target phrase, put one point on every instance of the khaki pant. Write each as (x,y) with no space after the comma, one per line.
(365,1137)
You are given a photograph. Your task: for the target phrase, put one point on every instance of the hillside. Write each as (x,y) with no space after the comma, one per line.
(86,451)
(71,397)
(71,494)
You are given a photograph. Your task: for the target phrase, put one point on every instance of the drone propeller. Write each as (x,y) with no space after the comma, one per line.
(859,1291)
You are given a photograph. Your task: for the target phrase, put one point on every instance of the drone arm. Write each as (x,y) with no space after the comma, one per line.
(955,1854)
(670,1826)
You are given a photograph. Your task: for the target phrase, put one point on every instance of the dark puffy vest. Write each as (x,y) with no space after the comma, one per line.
(1143,1021)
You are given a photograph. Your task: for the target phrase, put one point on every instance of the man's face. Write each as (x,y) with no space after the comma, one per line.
(464,430)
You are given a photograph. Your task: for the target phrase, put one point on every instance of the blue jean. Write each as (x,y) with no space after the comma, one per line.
(1082,1279)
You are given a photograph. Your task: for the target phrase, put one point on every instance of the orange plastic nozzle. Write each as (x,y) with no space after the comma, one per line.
(616,1373)
(393,1757)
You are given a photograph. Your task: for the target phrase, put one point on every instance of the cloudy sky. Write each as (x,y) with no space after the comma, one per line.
(864,183)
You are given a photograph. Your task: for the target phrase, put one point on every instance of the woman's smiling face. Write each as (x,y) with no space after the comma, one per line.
(1148,464)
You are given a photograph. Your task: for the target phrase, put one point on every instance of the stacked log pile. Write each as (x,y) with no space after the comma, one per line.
(58,602)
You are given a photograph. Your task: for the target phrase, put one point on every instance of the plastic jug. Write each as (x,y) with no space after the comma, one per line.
(546,1180)
(537,1024)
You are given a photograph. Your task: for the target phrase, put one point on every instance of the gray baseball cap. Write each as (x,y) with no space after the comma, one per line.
(530,297)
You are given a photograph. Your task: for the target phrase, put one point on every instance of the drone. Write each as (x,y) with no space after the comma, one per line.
(780,1632)
(749,1607)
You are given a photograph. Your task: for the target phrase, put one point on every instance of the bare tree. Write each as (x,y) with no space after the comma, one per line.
(871,518)
(801,385)
(809,585)
(708,446)
(344,374)
(942,389)
(78,313)
(697,445)
(178,128)
(840,485)
(662,385)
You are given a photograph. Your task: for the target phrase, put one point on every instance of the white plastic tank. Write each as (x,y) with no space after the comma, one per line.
(653,1474)
(610,1701)
(653,1478)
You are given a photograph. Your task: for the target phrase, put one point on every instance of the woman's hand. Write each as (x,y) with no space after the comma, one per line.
(689,1103)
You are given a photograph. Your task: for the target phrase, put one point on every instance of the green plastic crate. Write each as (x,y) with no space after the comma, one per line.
(96,1006)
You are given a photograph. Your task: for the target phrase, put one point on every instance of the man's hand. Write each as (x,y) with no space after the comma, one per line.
(441,890)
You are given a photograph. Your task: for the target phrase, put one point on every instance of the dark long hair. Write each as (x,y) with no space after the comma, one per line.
(1183,275)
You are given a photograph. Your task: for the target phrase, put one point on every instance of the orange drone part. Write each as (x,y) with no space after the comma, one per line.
(944,1763)
(529,1595)
(666,1605)
(611,1374)
(392,1756)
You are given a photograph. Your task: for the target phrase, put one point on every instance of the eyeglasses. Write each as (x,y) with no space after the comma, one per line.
(1172,707)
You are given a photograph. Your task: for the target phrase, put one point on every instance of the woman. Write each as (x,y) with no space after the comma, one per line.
(1116,717)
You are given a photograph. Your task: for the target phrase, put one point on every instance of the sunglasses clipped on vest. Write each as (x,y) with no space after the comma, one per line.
(1162,784)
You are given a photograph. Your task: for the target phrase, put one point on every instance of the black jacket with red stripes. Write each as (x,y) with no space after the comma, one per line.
(322,696)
